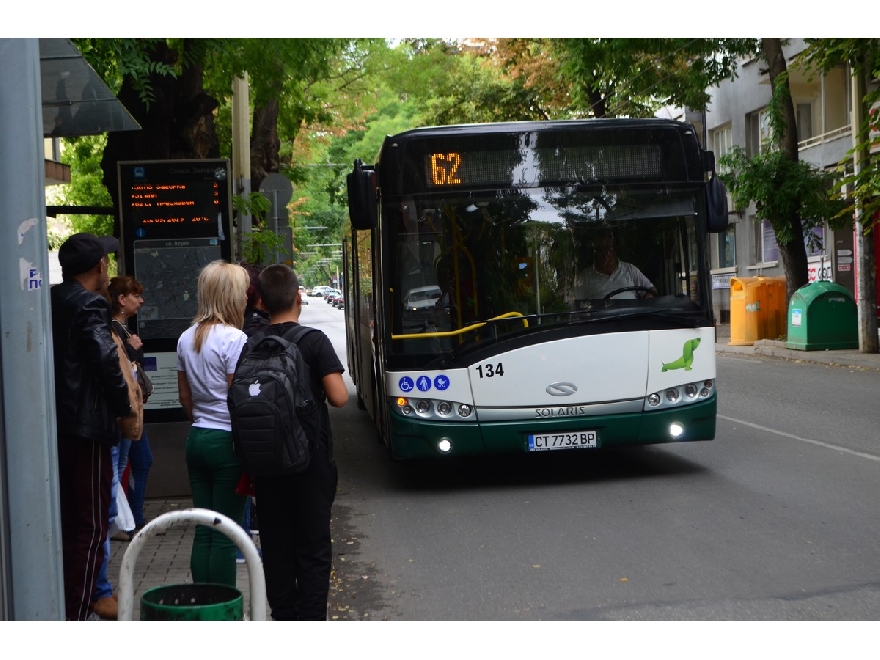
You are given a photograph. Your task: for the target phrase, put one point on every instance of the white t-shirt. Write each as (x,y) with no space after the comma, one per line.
(207,370)
(592,284)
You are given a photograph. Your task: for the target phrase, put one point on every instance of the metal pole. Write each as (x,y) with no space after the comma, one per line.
(866,292)
(30,528)
(275,219)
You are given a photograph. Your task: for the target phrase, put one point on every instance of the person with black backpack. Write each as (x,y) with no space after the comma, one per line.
(281,433)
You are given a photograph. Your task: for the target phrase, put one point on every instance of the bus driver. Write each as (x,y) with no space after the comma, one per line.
(608,274)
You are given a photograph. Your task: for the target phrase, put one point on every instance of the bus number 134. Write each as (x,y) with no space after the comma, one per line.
(489,370)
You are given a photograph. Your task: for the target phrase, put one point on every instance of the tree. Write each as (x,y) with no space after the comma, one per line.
(791,195)
(175,87)
(621,77)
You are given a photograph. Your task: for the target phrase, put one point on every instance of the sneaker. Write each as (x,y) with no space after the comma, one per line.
(239,558)
(121,535)
(106,608)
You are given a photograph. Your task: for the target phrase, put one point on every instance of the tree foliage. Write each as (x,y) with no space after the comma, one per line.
(620,77)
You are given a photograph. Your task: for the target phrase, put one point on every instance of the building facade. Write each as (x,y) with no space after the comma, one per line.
(737,115)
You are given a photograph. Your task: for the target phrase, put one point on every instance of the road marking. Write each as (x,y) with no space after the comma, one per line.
(818,443)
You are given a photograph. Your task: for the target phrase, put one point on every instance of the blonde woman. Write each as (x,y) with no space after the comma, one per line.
(207,353)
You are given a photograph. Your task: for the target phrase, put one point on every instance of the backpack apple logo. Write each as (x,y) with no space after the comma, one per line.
(254,389)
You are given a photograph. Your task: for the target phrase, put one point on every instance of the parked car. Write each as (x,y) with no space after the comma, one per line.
(331,294)
(340,302)
(319,290)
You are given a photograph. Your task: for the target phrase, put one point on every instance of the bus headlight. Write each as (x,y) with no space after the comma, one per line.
(433,409)
(680,395)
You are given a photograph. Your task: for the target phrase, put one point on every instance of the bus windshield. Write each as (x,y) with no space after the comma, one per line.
(471,267)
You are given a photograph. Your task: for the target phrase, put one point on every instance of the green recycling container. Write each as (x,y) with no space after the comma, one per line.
(822,316)
(192,602)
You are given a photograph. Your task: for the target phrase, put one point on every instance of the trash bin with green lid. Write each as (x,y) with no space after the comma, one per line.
(822,316)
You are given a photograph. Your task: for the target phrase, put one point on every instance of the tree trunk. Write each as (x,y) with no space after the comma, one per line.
(598,103)
(794,254)
(177,123)
(265,144)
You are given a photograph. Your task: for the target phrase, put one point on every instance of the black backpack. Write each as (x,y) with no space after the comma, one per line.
(270,395)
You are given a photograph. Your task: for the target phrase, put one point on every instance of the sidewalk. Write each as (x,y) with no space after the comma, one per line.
(164,560)
(776,349)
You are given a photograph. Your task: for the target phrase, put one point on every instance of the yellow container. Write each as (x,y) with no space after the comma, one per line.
(746,321)
(757,309)
(773,307)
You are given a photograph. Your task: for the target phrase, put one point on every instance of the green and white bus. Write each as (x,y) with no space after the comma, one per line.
(482,312)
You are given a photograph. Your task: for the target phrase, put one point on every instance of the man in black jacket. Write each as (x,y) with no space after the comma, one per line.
(90,393)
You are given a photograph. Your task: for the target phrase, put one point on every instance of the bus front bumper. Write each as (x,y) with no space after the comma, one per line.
(423,439)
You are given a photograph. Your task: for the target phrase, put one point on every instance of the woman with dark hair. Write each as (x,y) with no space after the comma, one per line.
(126,298)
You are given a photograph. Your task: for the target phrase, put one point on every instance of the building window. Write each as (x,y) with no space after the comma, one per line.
(815,242)
(727,247)
(722,142)
(804,121)
(768,249)
(757,133)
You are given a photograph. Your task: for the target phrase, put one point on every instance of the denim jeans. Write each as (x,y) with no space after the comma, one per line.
(103,588)
(141,458)
(214,472)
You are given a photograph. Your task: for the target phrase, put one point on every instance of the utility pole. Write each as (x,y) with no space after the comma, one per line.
(241,159)
(866,284)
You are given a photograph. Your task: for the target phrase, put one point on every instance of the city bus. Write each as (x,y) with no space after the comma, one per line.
(473,318)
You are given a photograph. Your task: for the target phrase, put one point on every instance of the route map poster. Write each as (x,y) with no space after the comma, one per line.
(175,218)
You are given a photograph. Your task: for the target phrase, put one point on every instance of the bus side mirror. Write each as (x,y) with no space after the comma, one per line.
(361,184)
(709,162)
(716,201)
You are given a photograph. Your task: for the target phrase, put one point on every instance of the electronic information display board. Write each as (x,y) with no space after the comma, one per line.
(175,218)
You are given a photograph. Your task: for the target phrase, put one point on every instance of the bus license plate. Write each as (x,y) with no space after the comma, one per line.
(567,440)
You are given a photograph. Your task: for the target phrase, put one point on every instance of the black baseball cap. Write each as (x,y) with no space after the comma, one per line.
(82,252)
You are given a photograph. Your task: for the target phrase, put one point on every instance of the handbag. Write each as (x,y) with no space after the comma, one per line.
(143,380)
(132,427)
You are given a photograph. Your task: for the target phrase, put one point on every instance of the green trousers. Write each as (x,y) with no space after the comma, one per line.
(214,472)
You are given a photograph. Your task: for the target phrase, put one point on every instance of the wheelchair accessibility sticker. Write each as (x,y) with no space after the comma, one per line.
(423,383)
